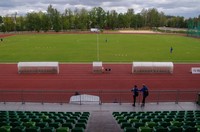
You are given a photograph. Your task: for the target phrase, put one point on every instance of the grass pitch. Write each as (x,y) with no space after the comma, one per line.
(99,47)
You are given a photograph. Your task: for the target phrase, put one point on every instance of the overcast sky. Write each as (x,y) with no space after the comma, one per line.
(186,8)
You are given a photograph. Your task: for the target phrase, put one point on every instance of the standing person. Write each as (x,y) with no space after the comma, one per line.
(135,94)
(171,49)
(106,40)
(145,92)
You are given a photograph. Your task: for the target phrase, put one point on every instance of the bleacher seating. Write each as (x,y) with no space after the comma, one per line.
(34,121)
(159,121)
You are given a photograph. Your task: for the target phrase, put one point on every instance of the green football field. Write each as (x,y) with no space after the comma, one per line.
(99,47)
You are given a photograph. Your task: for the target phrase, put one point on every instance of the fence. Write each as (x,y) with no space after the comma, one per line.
(106,96)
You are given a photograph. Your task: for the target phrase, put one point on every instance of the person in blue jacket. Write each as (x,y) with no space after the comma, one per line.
(135,94)
(171,49)
(145,93)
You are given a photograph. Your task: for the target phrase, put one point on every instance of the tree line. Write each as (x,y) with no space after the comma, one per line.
(97,17)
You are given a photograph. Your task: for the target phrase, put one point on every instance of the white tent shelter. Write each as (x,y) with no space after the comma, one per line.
(85,99)
(152,67)
(38,67)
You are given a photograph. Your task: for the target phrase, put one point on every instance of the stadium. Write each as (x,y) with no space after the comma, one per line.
(81,81)
(178,85)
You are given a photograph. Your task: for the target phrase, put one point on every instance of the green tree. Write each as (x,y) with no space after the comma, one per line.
(45,22)
(69,19)
(112,19)
(33,22)
(9,23)
(97,17)
(129,16)
(153,18)
(20,25)
(1,19)
(55,18)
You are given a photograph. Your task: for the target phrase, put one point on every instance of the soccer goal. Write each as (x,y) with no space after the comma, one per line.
(152,67)
(38,67)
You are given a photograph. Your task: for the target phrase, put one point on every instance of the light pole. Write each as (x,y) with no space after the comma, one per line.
(97,46)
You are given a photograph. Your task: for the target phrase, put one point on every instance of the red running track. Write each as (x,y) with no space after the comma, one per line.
(78,77)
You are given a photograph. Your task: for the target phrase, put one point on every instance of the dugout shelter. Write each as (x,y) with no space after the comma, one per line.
(152,67)
(97,67)
(38,67)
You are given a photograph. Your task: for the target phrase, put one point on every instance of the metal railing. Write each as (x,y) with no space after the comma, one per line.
(106,96)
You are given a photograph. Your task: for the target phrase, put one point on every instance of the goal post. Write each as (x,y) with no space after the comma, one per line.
(38,67)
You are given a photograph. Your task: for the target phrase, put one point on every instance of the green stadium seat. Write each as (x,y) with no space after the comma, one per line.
(170,116)
(145,120)
(62,129)
(84,117)
(125,124)
(36,119)
(130,129)
(48,120)
(68,124)
(160,116)
(158,112)
(160,129)
(176,123)
(156,119)
(83,125)
(189,123)
(77,113)
(4,123)
(33,129)
(82,120)
(121,120)
(164,123)
(174,129)
(76,117)
(119,117)
(71,120)
(138,124)
(55,124)
(48,129)
(133,120)
(5,128)
(149,116)
(189,119)
(18,129)
(14,119)
(167,119)
(77,129)
(145,129)
(16,123)
(29,124)
(179,119)
(25,119)
(151,124)
(189,129)
(41,124)
(59,120)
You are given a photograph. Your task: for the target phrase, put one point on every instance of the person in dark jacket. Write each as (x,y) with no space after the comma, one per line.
(135,94)
(145,93)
